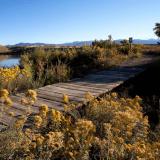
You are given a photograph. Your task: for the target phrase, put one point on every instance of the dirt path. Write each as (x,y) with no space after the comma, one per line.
(143,62)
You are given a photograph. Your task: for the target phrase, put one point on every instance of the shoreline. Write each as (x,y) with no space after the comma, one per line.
(7,57)
(3,57)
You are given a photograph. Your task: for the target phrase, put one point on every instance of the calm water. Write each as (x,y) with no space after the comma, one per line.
(9,61)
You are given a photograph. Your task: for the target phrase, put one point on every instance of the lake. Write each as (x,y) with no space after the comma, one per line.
(9,61)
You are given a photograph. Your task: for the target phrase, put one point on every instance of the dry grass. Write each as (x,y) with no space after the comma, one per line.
(3,49)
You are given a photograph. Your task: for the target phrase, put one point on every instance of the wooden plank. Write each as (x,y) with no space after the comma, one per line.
(102,79)
(68,92)
(17,108)
(7,120)
(95,77)
(86,84)
(18,112)
(129,70)
(50,92)
(51,104)
(10,120)
(16,103)
(114,73)
(62,90)
(50,96)
(107,85)
(75,99)
(103,76)
(99,85)
(79,87)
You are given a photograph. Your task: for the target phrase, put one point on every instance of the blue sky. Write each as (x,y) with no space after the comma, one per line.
(61,21)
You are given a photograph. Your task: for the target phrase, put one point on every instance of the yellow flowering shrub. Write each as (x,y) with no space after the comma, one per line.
(124,127)
(110,129)
(31,94)
(5,103)
(65,98)
(10,78)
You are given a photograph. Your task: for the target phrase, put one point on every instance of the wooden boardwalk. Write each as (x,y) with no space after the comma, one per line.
(51,95)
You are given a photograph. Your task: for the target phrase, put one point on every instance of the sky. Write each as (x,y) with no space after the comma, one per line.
(62,21)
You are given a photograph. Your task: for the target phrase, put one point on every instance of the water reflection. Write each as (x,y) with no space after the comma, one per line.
(9,61)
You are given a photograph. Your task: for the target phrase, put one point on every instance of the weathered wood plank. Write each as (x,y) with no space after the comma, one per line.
(124,72)
(62,91)
(55,94)
(128,70)
(107,85)
(50,96)
(98,80)
(6,119)
(51,104)
(74,93)
(16,103)
(79,87)
(104,77)
(18,110)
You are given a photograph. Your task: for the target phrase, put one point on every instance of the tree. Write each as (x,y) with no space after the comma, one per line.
(157,32)
(101,44)
(95,43)
(124,42)
(110,38)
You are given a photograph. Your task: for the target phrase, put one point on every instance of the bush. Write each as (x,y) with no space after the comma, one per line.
(14,80)
(45,67)
(124,49)
(135,49)
(108,129)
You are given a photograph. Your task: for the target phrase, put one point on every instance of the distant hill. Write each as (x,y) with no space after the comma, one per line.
(141,41)
(81,43)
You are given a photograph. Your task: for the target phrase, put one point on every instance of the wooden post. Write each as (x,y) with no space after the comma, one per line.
(131,47)
(130,41)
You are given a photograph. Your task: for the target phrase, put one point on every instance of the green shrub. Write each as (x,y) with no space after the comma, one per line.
(124,49)
(135,49)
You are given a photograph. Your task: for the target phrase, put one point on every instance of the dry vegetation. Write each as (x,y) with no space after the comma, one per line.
(108,127)
(3,49)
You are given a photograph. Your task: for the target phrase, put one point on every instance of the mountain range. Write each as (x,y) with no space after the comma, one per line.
(81,43)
